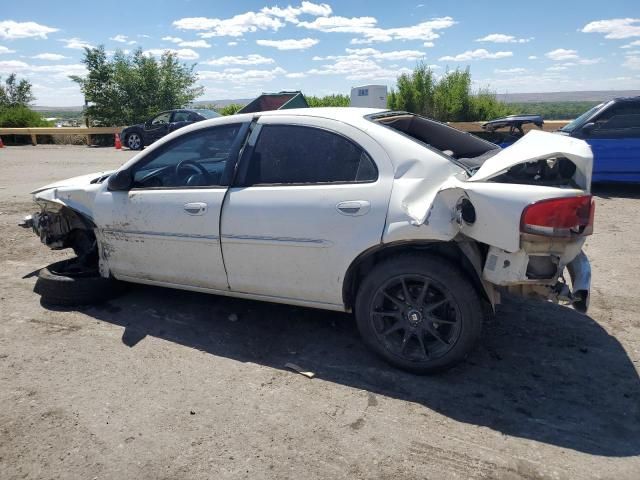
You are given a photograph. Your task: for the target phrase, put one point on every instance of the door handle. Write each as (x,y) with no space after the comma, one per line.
(195,208)
(354,208)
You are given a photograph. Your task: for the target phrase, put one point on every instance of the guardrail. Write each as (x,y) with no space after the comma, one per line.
(549,125)
(84,131)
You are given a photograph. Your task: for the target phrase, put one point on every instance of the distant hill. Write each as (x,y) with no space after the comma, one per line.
(584,96)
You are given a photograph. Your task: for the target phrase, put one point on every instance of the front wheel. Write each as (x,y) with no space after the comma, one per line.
(69,283)
(418,312)
(134,141)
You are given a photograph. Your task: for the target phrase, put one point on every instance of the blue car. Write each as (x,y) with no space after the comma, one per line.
(611,128)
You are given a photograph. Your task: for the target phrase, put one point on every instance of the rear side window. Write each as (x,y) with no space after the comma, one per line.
(288,154)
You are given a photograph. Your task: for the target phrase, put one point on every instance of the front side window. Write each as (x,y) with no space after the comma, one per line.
(181,116)
(195,160)
(620,117)
(161,119)
(363,92)
(289,154)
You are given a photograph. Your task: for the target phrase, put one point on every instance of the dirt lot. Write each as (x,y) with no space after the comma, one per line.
(161,384)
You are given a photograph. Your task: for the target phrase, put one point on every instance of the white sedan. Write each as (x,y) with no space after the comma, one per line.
(414,226)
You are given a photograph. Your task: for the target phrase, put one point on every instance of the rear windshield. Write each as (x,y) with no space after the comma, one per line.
(455,144)
(208,113)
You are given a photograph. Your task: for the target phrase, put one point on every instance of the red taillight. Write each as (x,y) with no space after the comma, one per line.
(559,217)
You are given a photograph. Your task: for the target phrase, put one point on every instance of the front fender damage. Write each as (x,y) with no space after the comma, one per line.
(60,227)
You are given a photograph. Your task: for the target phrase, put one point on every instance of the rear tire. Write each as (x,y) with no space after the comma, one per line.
(418,312)
(68,283)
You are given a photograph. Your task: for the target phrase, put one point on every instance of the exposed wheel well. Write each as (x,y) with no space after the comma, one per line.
(368,259)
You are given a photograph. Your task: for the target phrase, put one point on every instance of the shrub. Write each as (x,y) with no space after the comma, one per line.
(230,109)
(336,100)
(20,116)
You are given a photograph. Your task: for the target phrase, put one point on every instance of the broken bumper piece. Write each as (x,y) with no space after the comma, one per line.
(580,271)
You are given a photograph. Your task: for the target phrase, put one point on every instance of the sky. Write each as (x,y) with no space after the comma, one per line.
(244,48)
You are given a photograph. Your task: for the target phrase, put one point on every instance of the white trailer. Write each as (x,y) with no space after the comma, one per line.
(371,96)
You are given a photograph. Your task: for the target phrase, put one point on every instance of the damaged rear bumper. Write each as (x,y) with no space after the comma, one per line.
(541,275)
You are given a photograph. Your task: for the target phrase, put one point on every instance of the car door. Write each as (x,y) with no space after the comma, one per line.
(310,196)
(157,127)
(615,142)
(165,229)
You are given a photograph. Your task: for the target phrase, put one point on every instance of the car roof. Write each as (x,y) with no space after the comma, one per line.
(627,99)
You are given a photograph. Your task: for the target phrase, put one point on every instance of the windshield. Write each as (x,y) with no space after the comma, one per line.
(208,113)
(569,127)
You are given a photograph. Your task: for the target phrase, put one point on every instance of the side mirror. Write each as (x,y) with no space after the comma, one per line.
(587,128)
(120,181)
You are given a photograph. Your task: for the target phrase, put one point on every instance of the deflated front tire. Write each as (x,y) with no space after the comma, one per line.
(69,283)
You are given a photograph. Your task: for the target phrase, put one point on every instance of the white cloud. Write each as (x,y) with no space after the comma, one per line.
(370,32)
(252,59)
(532,57)
(232,27)
(9,66)
(502,38)
(181,53)
(296,75)
(479,54)
(122,39)
(11,30)
(268,18)
(232,44)
(562,54)
(635,43)
(6,50)
(54,72)
(510,70)
(187,43)
(195,44)
(50,56)
(557,68)
(241,76)
(615,28)
(274,18)
(589,61)
(359,53)
(632,62)
(291,14)
(76,43)
(289,44)
(358,69)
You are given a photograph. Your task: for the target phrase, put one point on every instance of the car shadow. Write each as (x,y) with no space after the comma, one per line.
(541,372)
(615,190)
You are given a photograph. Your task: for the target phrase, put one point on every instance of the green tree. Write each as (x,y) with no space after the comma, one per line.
(449,98)
(129,88)
(15,93)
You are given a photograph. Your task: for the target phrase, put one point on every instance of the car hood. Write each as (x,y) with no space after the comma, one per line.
(76,182)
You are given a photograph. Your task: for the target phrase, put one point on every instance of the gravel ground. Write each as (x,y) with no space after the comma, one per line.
(163,384)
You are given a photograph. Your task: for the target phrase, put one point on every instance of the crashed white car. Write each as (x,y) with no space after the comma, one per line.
(414,226)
